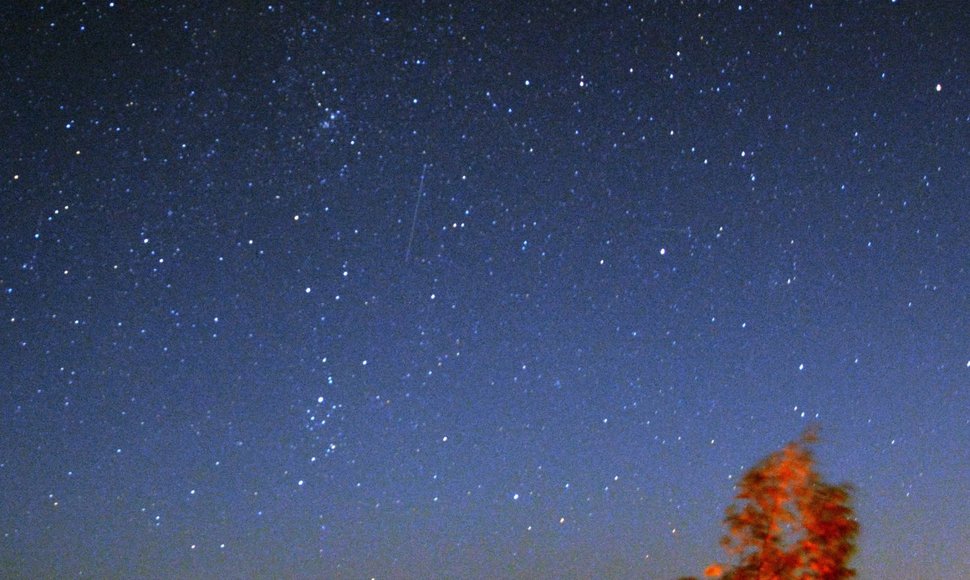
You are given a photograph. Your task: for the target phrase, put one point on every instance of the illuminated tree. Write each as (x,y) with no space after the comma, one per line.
(788,523)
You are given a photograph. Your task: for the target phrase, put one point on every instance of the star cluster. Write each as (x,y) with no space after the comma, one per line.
(475,289)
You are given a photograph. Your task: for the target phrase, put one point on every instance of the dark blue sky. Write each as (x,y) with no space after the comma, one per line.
(243,336)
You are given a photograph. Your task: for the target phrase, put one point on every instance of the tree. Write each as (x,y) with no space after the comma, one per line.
(788,523)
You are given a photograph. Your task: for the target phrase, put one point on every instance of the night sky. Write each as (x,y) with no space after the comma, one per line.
(468,290)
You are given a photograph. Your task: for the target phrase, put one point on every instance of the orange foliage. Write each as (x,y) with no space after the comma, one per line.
(788,522)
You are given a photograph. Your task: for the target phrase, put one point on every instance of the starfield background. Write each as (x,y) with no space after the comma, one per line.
(483,289)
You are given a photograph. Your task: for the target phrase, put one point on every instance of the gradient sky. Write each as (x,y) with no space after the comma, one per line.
(493,289)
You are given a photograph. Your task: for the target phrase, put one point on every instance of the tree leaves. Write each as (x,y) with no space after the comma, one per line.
(788,523)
